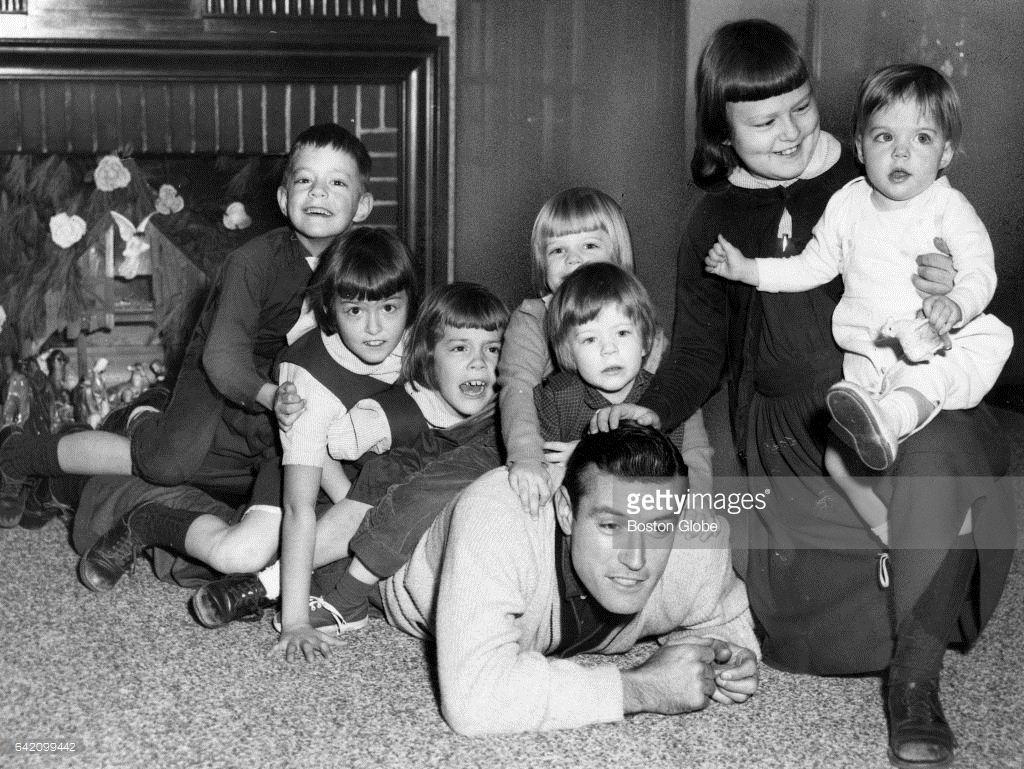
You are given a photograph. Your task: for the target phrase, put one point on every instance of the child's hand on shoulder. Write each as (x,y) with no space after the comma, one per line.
(287,405)
(305,641)
(609,417)
(558,452)
(942,313)
(529,479)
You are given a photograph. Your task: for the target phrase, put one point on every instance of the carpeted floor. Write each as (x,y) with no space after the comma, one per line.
(134,681)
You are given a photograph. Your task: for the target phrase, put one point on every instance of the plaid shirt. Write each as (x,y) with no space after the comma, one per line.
(565,404)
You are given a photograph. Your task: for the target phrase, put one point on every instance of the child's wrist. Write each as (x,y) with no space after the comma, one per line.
(513,462)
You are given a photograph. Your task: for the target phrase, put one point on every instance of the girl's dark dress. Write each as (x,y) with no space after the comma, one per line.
(812,571)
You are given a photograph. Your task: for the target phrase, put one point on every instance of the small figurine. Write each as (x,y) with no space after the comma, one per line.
(61,411)
(91,404)
(18,400)
(158,372)
(130,390)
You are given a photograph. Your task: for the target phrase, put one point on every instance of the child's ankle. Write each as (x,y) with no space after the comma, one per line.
(906,409)
(359,572)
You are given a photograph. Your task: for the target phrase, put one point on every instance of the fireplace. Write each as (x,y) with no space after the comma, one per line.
(194,102)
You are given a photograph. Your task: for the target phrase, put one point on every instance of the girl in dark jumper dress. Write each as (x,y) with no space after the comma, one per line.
(821,591)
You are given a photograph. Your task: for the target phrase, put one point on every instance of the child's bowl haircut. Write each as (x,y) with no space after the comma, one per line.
(457,305)
(918,83)
(578,209)
(364,264)
(582,297)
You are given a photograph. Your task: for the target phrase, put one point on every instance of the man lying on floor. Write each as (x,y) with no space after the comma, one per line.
(509,598)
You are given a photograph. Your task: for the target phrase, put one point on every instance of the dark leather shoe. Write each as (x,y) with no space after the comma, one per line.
(110,557)
(13,490)
(918,733)
(41,506)
(235,597)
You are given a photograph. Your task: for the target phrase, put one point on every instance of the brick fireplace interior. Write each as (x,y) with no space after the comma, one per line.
(198,103)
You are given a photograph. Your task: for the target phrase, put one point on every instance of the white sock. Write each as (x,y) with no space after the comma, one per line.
(900,410)
(271,579)
(882,532)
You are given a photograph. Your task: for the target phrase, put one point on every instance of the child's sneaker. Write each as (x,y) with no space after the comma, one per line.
(327,619)
(864,427)
(235,597)
(13,490)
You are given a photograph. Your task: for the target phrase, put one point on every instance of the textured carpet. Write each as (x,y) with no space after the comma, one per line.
(134,681)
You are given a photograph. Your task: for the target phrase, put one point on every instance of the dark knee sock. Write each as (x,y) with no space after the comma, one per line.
(163,526)
(67,489)
(25,455)
(347,593)
(924,633)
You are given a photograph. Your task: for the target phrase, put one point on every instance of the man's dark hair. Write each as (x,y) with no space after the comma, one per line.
(630,451)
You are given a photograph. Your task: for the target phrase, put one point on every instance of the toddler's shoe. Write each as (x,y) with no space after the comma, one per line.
(235,597)
(13,490)
(110,557)
(862,425)
(327,619)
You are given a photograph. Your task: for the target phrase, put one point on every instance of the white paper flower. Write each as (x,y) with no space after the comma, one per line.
(111,174)
(67,230)
(235,217)
(169,201)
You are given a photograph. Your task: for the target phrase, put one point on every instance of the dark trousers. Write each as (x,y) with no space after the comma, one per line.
(410,486)
(203,440)
(812,568)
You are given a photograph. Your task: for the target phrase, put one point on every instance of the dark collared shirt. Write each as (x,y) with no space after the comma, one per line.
(586,624)
(565,404)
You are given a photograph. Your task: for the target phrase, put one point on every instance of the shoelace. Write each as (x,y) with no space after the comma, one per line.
(316,602)
(883,570)
(922,702)
(123,551)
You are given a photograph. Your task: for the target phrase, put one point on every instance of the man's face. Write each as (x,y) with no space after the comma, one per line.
(618,567)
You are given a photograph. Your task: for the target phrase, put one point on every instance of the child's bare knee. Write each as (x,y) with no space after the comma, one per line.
(243,559)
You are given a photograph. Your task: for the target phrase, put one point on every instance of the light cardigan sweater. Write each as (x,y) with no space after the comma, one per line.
(483,583)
